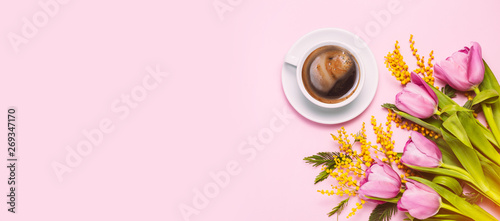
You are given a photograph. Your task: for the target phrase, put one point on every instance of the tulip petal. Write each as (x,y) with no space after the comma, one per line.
(422,152)
(396,179)
(463,70)
(428,205)
(460,57)
(379,189)
(380,173)
(476,66)
(465,50)
(381,181)
(415,104)
(413,156)
(420,200)
(453,74)
(401,207)
(415,89)
(426,146)
(421,83)
(422,186)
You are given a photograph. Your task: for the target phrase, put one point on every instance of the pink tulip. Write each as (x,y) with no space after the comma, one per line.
(422,152)
(463,70)
(417,98)
(381,181)
(419,200)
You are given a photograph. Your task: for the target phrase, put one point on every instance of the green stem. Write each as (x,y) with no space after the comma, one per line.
(483,188)
(459,170)
(488,114)
(483,215)
(418,121)
(438,113)
(488,134)
(391,200)
(451,208)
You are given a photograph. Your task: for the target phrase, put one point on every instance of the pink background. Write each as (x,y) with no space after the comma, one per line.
(224,86)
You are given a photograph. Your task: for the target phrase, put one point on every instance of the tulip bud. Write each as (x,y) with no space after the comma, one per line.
(419,200)
(417,98)
(381,181)
(422,152)
(463,70)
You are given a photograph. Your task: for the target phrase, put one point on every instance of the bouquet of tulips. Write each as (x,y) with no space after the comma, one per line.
(449,149)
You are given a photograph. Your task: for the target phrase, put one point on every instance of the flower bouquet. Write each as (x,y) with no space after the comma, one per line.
(451,160)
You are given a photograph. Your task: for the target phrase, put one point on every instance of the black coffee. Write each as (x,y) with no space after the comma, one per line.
(330,74)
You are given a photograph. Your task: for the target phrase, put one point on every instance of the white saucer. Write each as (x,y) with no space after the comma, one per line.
(334,115)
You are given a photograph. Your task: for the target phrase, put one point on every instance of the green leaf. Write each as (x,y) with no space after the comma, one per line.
(442,171)
(339,208)
(468,104)
(495,167)
(429,123)
(450,183)
(400,154)
(487,133)
(390,106)
(418,121)
(449,157)
(467,157)
(383,212)
(490,118)
(473,211)
(477,137)
(439,219)
(453,125)
(490,82)
(321,176)
(448,91)
(488,96)
(450,109)
(491,175)
(323,158)
(443,99)
(434,122)
(390,200)
(454,217)
(448,217)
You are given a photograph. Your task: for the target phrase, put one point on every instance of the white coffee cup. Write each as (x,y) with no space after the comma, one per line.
(357,87)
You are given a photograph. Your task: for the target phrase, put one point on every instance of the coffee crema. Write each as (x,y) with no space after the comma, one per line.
(330,74)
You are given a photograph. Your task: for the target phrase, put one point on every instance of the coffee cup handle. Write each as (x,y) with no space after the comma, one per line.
(291,59)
